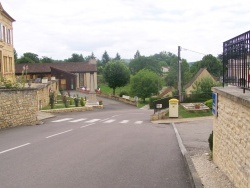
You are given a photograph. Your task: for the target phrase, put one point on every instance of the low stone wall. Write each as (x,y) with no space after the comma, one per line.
(159,115)
(77,109)
(127,101)
(231,135)
(20,106)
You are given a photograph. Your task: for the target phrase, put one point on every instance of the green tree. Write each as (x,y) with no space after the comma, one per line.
(144,84)
(105,58)
(117,57)
(15,56)
(213,65)
(75,58)
(203,86)
(45,59)
(137,54)
(143,62)
(29,57)
(116,74)
(92,56)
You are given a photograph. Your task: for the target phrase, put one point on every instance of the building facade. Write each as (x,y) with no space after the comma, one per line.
(7,66)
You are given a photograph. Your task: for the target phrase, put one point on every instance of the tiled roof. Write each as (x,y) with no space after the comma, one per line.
(72,67)
(194,78)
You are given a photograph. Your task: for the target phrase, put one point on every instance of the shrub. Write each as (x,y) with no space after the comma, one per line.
(52,100)
(123,93)
(71,100)
(210,141)
(82,103)
(209,103)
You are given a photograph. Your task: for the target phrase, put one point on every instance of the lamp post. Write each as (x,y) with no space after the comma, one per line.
(179,72)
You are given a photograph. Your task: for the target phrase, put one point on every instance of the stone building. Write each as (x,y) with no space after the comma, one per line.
(7,67)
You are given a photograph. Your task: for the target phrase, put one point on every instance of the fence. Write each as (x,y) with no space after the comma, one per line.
(236,57)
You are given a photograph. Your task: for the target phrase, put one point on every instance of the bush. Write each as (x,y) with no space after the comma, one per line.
(123,93)
(82,103)
(209,103)
(210,141)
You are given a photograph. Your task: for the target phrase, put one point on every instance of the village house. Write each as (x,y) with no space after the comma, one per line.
(71,76)
(7,68)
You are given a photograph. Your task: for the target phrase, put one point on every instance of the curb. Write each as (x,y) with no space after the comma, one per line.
(192,173)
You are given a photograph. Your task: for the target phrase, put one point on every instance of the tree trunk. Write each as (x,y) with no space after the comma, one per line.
(113,91)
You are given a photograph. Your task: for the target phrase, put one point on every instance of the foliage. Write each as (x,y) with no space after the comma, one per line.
(210,141)
(213,65)
(116,74)
(29,57)
(105,58)
(75,58)
(82,102)
(76,100)
(209,103)
(137,54)
(52,99)
(203,86)
(143,62)
(65,101)
(123,93)
(117,57)
(45,59)
(145,84)
(92,56)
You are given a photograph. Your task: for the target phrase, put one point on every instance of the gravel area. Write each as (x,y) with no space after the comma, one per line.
(211,176)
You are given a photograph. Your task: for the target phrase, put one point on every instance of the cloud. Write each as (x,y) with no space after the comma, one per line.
(58,28)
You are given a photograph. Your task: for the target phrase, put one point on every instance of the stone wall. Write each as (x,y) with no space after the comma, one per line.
(231,135)
(20,106)
(113,97)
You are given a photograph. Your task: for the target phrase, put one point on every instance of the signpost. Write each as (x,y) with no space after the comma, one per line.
(215,104)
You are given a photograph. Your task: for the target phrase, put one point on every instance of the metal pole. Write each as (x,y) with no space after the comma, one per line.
(179,73)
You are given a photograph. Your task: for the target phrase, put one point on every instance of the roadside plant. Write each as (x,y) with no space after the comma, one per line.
(76,99)
(82,102)
(52,99)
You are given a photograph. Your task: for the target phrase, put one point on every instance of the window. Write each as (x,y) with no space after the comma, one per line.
(4,33)
(1,33)
(5,64)
(11,64)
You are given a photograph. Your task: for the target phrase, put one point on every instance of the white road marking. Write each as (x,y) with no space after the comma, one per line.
(92,121)
(86,125)
(14,148)
(60,120)
(124,121)
(77,120)
(109,121)
(59,133)
(104,120)
(138,122)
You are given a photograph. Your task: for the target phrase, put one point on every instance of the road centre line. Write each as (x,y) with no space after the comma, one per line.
(14,148)
(87,125)
(59,133)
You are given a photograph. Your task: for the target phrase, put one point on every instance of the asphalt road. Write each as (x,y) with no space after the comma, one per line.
(111,148)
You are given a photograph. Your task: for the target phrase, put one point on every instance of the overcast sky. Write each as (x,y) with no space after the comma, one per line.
(58,28)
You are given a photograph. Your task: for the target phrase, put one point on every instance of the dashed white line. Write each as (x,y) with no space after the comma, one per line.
(124,121)
(138,122)
(77,120)
(14,148)
(60,120)
(92,121)
(59,133)
(109,121)
(87,125)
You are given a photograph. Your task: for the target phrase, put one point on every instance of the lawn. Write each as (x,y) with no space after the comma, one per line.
(190,114)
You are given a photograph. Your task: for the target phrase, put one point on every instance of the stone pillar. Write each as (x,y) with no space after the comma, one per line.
(92,101)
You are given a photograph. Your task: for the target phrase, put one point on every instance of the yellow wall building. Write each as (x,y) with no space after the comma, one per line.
(7,66)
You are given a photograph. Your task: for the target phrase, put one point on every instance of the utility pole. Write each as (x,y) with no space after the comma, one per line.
(179,73)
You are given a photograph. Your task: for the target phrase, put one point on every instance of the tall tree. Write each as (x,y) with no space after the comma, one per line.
(15,56)
(117,57)
(137,54)
(213,65)
(105,58)
(75,58)
(45,59)
(116,74)
(144,84)
(143,62)
(29,57)
(92,56)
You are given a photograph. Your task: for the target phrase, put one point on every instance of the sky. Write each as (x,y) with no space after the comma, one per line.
(59,28)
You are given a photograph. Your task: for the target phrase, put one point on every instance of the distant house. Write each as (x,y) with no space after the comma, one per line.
(71,75)
(7,68)
(202,73)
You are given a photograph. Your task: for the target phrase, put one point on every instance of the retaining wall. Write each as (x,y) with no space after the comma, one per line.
(231,135)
